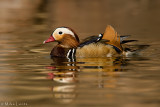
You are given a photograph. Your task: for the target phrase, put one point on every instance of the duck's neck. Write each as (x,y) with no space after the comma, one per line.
(69,42)
(62,48)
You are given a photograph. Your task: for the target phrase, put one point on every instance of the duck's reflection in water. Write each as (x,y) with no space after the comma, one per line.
(66,73)
(105,70)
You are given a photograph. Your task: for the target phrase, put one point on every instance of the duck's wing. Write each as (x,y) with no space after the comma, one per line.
(123,37)
(131,50)
(135,48)
(126,41)
(92,39)
(111,35)
(88,40)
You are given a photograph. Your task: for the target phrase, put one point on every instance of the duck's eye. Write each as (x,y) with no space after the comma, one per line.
(60,32)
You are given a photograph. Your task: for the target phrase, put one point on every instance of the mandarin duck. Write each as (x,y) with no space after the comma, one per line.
(108,44)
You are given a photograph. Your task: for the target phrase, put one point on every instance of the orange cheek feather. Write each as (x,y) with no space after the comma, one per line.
(58,37)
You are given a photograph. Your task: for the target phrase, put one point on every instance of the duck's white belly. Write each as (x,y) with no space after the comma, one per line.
(96,50)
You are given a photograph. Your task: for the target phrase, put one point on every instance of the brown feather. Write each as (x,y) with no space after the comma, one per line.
(75,34)
(111,35)
(68,41)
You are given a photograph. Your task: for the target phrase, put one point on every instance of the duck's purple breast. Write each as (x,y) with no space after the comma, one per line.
(58,51)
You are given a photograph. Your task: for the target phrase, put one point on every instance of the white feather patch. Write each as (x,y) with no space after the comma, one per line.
(64,31)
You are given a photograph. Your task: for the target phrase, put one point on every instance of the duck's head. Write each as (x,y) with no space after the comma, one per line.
(64,36)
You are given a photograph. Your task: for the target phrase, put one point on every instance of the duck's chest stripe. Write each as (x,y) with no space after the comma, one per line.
(71,53)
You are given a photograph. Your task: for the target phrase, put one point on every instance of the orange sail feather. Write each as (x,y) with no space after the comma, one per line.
(111,35)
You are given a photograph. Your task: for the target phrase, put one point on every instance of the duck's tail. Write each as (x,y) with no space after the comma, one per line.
(119,42)
(131,50)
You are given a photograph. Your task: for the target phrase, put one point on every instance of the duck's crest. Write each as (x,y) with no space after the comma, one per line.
(111,35)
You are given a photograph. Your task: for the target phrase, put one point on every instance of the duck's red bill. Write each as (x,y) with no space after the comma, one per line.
(50,39)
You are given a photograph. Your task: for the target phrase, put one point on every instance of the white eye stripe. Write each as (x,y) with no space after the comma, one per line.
(64,31)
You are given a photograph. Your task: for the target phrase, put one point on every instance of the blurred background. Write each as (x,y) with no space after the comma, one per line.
(135,17)
(28,75)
